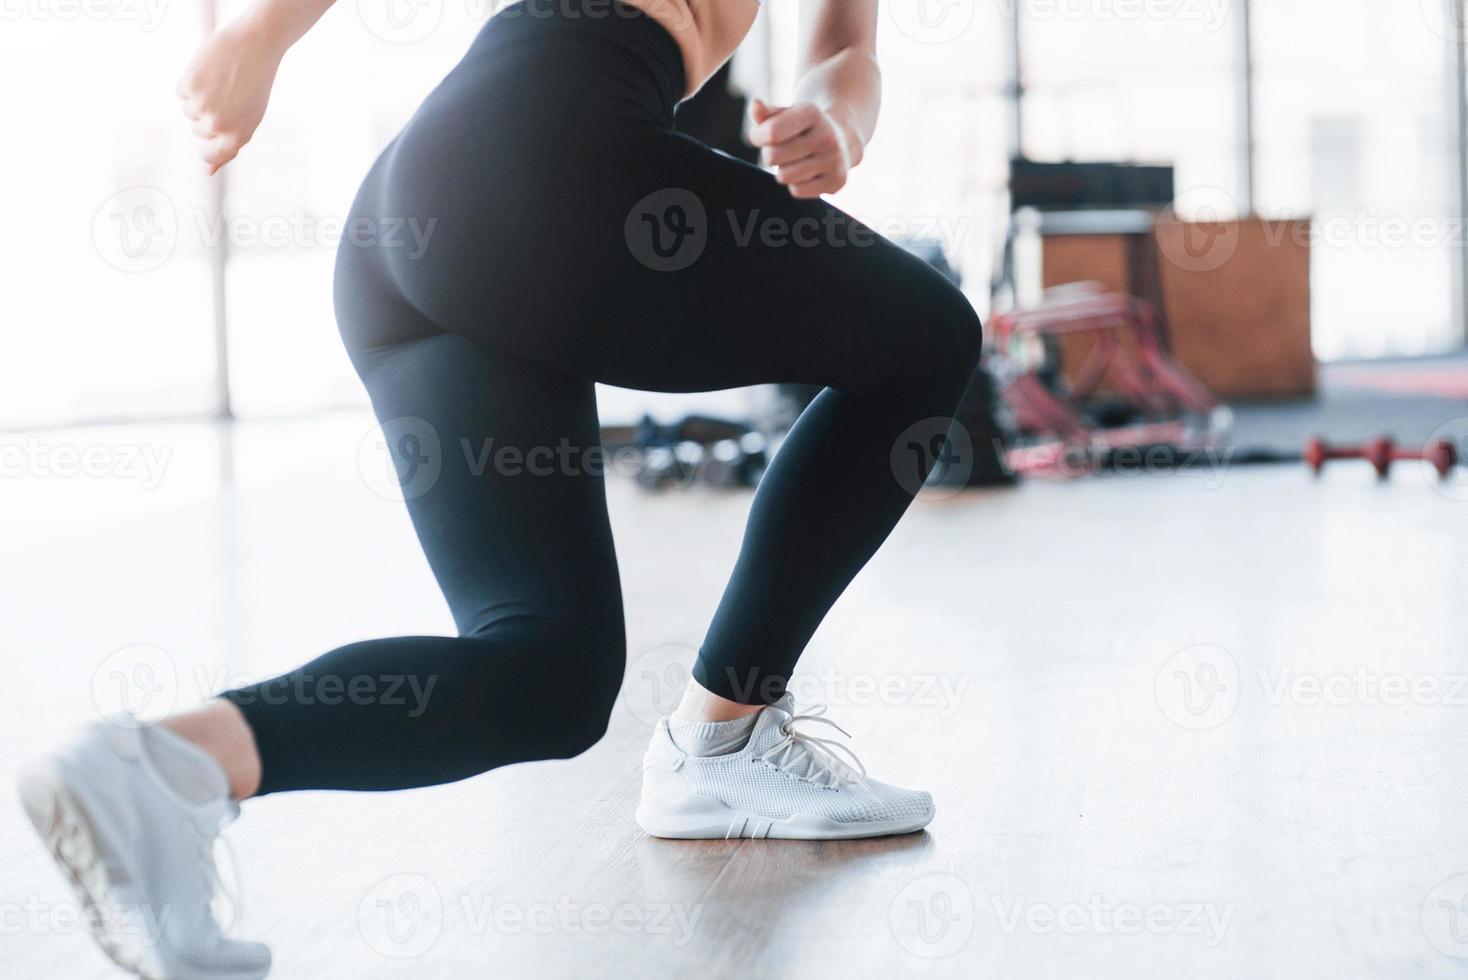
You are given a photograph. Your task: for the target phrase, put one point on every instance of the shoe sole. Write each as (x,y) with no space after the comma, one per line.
(64,828)
(704,818)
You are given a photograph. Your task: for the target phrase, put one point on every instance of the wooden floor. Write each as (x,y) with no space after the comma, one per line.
(1209,725)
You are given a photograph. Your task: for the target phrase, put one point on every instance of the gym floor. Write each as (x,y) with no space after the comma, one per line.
(1212,724)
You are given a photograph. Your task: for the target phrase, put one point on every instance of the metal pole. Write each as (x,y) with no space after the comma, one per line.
(1015,87)
(1247,144)
(218,259)
(1459,82)
(1003,291)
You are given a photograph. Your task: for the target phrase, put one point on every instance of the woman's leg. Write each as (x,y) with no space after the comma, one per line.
(895,342)
(534,285)
(575,229)
(498,459)
(774,289)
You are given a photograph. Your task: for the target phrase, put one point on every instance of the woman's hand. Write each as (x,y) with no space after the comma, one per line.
(811,151)
(225,89)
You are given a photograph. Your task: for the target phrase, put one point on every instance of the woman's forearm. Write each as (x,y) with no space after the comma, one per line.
(281,23)
(848,85)
(813,143)
(839,70)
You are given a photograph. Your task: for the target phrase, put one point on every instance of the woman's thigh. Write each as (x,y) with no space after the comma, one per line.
(727,280)
(500,463)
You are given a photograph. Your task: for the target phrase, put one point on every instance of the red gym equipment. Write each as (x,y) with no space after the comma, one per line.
(1127,353)
(1381,453)
(1062,431)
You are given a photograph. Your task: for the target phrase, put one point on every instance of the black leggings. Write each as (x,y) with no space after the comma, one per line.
(573,237)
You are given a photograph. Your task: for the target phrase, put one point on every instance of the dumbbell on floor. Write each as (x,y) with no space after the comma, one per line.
(1381,453)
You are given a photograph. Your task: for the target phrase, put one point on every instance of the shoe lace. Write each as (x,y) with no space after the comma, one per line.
(220,887)
(825,759)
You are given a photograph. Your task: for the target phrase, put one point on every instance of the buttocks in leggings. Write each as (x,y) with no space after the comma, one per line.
(567,235)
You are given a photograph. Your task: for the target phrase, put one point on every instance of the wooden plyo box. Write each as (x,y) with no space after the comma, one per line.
(1235,296)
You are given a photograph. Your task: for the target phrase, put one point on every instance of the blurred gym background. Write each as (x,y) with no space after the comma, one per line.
(140,290)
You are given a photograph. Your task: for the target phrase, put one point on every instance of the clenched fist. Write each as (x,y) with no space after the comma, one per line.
(225,89)
(810,150)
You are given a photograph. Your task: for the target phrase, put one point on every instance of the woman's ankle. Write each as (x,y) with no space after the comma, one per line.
(700,704)
(220,729)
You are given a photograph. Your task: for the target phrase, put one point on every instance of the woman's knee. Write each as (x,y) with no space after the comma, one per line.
(953,338)
(586,709)
(574,676)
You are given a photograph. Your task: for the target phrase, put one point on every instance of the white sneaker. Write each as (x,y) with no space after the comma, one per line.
(784,783)
(138,853)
